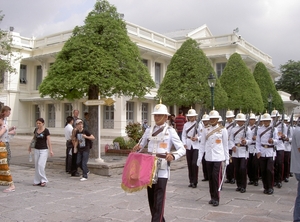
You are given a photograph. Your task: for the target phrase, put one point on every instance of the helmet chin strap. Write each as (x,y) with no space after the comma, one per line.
(215,122)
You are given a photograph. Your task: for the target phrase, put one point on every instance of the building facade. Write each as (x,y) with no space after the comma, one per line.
(20,90)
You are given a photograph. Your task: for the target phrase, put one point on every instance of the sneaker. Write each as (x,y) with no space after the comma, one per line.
(83,179)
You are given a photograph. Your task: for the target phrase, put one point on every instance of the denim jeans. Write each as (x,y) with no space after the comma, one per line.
(297,201)
(82,160)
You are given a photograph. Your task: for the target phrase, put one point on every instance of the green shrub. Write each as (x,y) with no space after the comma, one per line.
(130,143)
(121,142)
(134,131)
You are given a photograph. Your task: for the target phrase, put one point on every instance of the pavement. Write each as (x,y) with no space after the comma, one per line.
(101,198)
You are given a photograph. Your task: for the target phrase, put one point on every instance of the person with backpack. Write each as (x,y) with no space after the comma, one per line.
(83,144)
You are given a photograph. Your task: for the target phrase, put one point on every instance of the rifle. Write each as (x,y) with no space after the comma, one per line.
(245,132)
(282,124)
(272,134)
(257,125)
(291,124)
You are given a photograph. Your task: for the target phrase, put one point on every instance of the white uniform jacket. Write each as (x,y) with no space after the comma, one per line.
(194,132)
(295,154)
(251,147)
(235,141)
(280,145)
(215,146)
(262,145)
(162,144)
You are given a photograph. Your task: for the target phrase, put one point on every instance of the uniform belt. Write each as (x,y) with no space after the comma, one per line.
(160,155)
(189,137)
(267,146)
(253,143)
(239,145)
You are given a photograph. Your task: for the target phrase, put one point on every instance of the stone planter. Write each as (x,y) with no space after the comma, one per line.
(115,152)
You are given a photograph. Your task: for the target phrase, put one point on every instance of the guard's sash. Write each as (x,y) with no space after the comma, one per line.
(212,132)
(138,172)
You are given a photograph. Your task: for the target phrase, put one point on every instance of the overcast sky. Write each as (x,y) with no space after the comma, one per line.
(270,25)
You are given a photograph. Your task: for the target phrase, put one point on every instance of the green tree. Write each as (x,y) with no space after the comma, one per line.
(99,58)
(185,81)
(242,90)
(6,54)
(267,87)
(290,79)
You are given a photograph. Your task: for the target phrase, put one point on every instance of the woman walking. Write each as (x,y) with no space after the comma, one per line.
(42,145)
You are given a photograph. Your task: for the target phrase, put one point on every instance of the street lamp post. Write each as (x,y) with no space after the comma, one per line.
(212,83)
(270,98)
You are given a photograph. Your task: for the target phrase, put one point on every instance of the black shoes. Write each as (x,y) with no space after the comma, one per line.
(275,184)
(243,190)
(193,185)
(250,183)
(75,175)
(255,183)
(215,203)
(279,185)
(286,180)
(205,179)
(232,181)
(211,202)
(291,174)
(269,191)
(227,181)
(238,189)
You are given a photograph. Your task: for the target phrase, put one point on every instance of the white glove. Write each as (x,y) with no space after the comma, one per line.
(227,162)
(199,162)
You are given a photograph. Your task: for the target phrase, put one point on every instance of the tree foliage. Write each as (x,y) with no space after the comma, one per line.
(98,58)
(290,79)
(267,87)
(185,82)
(5,50)
(242,90)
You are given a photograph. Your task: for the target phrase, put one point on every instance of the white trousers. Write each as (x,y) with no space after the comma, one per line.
(40,159)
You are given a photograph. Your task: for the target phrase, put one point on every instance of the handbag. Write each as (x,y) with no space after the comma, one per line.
(33,141)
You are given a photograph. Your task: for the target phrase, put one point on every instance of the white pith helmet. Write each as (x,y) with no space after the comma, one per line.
(192,112)
(229,114)
(286,117)
(252,116)
(220,119)
(240,117)
(214,114)
(160,109)
(274,113)
(265,117)
(205,117)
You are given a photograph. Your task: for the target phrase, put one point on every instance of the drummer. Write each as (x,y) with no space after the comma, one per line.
(161,138)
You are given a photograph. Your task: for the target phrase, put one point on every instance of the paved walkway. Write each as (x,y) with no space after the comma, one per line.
(101,198)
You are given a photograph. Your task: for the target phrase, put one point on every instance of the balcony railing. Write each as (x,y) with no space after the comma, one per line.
(148,35)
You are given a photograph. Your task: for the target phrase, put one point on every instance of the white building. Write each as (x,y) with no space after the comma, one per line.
(19,91)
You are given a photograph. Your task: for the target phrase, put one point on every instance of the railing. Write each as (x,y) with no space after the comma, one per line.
(153,37)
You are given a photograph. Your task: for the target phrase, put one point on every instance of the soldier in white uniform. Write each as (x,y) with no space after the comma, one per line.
(253,163)
(230,123)
(161,138)
(214,142)
(265,142)
(279,161)
(239,139)
(191,144)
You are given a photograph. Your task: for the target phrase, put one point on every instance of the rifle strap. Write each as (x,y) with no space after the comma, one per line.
(189,129)
(265,131)
(240,129)
(230,125)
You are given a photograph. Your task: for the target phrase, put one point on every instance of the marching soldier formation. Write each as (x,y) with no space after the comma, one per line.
(247,146)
